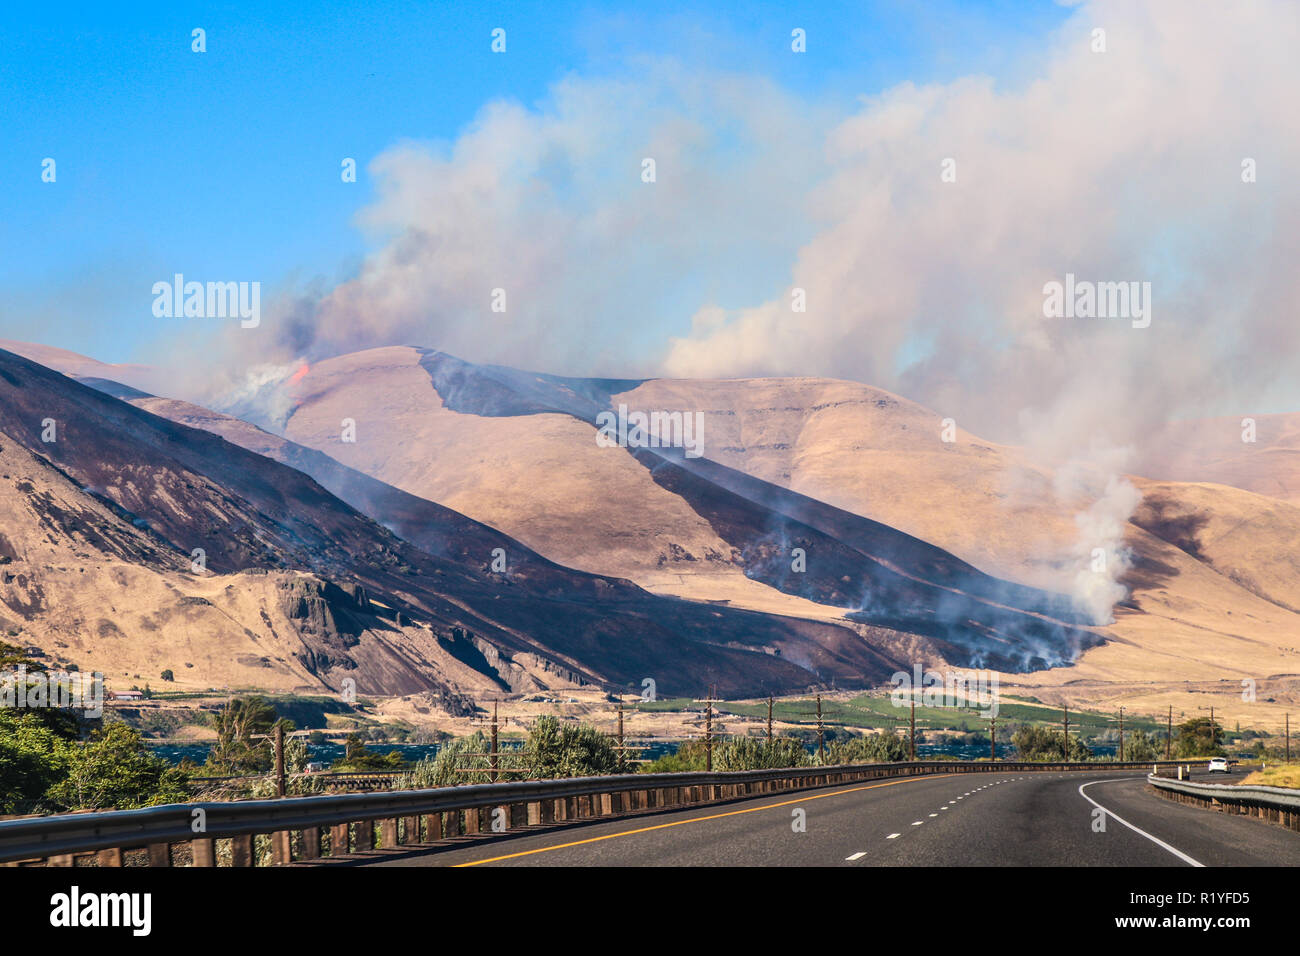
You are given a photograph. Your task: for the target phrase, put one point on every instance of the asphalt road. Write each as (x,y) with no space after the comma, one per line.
(1028,819)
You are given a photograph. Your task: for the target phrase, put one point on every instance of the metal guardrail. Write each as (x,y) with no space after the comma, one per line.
(1276,804)
(1281,797)
(59,838)
(327,778)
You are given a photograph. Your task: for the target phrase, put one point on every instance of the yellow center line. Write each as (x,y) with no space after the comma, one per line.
(712,816)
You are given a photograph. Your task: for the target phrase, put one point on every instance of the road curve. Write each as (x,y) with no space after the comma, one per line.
(1090,818)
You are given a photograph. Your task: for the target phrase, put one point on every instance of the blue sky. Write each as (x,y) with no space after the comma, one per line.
(226,164)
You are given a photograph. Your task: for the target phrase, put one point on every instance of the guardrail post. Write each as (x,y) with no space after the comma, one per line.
(160,854)
(281,848)
(340,840)
(110,857)
(471,821)
(62,859)
(203,851)
(412,827)
(241,850)
(388,833)
(432,827)
(311,843)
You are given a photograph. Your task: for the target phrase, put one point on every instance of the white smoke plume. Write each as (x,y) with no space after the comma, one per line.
(1123,165)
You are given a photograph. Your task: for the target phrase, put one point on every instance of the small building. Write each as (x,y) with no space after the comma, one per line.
(128,695)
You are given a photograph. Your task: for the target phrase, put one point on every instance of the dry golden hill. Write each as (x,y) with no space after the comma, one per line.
(1214,582)
(88,586)
(394,617)
(1222,610)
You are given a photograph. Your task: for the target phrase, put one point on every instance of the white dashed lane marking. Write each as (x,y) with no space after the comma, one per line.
(950,803)
(856,856)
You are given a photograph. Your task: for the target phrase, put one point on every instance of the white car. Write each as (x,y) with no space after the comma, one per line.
(1218,765)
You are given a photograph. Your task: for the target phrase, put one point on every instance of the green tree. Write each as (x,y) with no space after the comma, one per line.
(237,750)
(33,757)
(13,657)
(357,757)
(115,770)
(1194,738)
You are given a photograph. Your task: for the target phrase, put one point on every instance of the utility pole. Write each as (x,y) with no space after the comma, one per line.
(1288,737)
(1121,735)
(1169,734)
(821,732)
(1065,726)
(993,738)
(769,723)
(911,732)
(708,736)
(492,757)
(621,763)
(279,758)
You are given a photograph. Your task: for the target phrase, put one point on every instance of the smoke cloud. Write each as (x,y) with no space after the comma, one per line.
(922,229)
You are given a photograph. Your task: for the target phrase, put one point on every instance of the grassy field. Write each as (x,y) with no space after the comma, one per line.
(1276,775)
(877,712)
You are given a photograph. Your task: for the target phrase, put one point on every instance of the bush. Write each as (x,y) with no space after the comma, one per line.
(688,757)
(1141,746)
(869,748)
(444,768)
(554,750)
(1044,744)
(753,753)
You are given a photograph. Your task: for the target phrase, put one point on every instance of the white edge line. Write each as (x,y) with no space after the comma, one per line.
(1156,840)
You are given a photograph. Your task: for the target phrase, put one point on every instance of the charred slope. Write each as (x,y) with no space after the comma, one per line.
(194,489)
(877,573)
(917,589)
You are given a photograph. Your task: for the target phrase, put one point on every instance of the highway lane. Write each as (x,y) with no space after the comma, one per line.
(1026,819)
